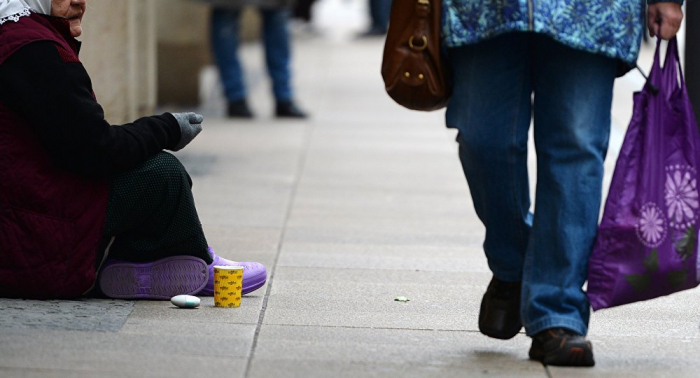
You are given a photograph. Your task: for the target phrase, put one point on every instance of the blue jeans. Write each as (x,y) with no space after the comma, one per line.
(379,11)
(492,107)
(225,28)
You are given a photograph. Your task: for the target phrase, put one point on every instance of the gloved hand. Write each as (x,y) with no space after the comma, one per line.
(190,126)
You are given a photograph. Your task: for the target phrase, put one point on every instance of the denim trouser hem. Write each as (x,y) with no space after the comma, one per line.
(556,322)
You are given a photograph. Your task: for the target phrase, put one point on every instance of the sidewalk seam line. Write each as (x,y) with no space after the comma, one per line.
(300,169)
(546,370)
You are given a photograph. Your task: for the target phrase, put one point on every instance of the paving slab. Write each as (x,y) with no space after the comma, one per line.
(421,275)
(130,353)
(289,351)
(247,313)
(390,236)
(676,315)
(637,357)
(362,299)
(353,255)
(124,364)
(79,315)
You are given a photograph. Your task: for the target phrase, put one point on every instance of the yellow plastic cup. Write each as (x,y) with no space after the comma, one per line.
(228,285)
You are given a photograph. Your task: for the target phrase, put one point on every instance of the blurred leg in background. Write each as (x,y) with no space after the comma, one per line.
(302,10)
(278,54)
(225,39)
(301,18)
(225,28)
(379,11)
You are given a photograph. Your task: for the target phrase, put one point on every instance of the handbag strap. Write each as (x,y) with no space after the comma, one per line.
(419,39)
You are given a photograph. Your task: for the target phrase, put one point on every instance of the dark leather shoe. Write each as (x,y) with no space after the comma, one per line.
(499,316)
(373,32)
(561,347)
(288,109)
(239,109)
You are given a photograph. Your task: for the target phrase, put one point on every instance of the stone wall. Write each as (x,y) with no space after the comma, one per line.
(119,53)
(183,50)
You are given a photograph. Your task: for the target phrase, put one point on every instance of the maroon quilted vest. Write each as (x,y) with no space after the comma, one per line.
(51,221)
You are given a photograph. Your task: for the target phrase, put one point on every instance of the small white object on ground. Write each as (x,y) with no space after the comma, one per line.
(185,301)
(401,299)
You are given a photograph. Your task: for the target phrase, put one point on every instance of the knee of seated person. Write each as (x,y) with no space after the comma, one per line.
(167,167)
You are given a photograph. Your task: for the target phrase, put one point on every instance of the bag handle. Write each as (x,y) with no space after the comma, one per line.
(667,78)
(672,68)
(654,80)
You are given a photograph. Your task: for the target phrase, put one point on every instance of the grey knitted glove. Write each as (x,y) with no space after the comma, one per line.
(190,126)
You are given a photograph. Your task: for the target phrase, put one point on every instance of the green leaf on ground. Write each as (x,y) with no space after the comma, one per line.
(676,278)
(686,244)
(401,299)
(640,282)
(651,262)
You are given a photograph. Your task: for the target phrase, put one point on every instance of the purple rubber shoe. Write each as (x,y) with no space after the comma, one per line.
(160,279)
(254,274)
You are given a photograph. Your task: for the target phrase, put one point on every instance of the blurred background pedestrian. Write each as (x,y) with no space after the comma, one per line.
(379,11)
(225,40)
(302,11)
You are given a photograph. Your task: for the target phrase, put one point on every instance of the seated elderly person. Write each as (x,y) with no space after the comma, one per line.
(83,203)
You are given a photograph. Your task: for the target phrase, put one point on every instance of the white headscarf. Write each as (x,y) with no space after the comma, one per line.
(12,10)
(39,6)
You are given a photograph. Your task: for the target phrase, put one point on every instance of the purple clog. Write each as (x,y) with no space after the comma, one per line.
(160,279)
(254,274)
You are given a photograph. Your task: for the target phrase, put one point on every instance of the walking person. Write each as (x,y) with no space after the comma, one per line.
(84,203)
(302,10)
(225,40)
(553,63)
(379,11)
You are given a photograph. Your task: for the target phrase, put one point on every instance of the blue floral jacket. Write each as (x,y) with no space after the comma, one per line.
(609,27)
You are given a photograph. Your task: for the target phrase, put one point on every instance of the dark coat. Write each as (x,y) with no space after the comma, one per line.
(51,220)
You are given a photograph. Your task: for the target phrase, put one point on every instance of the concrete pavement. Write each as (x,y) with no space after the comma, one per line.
(360,204)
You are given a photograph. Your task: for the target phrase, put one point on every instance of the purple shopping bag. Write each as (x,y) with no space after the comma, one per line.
(648,238)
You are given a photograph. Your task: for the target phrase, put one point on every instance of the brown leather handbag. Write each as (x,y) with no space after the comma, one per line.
(413,69)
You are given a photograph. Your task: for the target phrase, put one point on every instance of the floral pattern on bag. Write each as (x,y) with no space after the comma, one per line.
(651,227)
(609,27)
(681,195)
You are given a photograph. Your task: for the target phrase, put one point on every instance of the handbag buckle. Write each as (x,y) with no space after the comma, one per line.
(418,48)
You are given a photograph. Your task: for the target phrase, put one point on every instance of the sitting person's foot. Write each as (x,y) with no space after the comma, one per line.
(499,316)
(254,274)
(288,109)
(160,279)
(561,347)
(239,109)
